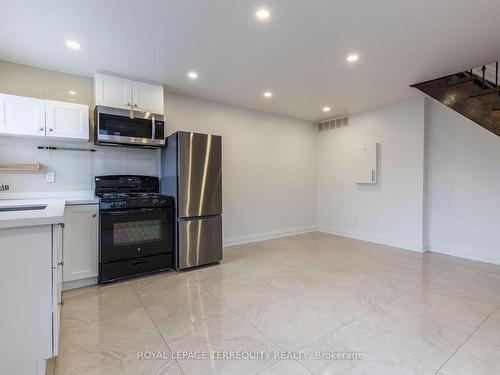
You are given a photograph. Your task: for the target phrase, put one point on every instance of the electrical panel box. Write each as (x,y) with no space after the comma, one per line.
(366,164)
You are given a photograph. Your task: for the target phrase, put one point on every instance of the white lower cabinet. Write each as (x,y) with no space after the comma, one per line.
(57,272)
(80,242)
(31,281)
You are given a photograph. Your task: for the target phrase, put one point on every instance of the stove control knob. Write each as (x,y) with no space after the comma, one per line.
(155,202)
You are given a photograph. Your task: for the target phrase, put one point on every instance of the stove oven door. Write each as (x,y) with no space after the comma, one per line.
(135,233)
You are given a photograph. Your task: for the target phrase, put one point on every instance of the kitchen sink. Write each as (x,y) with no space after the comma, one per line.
(23,208)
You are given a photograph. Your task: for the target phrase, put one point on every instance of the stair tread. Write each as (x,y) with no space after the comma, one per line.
(460,81)
(486,92)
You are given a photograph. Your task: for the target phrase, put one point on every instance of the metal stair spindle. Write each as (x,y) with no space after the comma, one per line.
(496,74)
(484,73)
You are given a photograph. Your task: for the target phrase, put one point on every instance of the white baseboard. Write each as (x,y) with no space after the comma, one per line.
(464,253)
(232,241)
(402,244)
(68,285)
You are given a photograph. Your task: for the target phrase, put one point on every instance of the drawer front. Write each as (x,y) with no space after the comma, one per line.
(136,266)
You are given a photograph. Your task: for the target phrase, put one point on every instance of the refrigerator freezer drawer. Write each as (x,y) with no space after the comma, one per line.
(200,241)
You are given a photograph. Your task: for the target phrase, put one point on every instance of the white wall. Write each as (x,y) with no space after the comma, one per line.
(463,186)
(391,211)
(269,174)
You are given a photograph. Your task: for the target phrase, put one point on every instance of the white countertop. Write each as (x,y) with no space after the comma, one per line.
(52,214)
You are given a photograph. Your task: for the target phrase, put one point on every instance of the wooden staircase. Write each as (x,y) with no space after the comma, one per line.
(474,94)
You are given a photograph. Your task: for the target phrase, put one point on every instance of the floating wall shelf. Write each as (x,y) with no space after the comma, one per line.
(20,167)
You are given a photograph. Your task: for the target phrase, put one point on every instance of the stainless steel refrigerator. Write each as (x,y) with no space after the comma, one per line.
(192,173)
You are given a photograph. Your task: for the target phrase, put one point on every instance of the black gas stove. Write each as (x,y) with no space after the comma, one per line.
(137,226)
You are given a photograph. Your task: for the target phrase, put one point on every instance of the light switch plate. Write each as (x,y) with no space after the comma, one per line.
(50,177)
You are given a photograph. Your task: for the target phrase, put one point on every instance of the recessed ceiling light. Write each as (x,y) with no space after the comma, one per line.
(326,109)
(193,75)
(268,94)
(352,58)
(73,44)
(262,14)
(72,92)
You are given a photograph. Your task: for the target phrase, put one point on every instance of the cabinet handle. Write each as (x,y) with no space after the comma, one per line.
(135,105)
(94,215)
(373,175)
(60,303)
(60,264)
(51,130)
(41,129)
(129,105)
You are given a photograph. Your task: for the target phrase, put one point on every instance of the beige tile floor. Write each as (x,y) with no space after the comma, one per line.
(406,312)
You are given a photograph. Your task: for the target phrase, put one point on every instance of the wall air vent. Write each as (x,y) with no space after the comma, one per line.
(336,123)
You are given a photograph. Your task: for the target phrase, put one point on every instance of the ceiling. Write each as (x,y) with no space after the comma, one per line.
(299,53)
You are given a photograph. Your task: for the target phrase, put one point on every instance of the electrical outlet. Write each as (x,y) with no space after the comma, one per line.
(50,177)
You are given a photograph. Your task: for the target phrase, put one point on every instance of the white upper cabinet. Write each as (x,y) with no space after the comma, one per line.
(22,116)
(147,97)
(30,117)
(117,92)
(67,120)
(113,92)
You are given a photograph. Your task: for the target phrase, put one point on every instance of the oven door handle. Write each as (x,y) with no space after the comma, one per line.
(127,211)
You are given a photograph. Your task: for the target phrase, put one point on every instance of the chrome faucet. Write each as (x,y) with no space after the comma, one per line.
(4,187)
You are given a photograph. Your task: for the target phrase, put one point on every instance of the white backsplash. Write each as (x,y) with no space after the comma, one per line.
(74,170)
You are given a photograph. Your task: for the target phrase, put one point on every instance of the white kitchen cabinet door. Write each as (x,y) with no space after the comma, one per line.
(67,120)
(22,116)
(366,164)
(147,97)
(56,333)
(57,269)
(113,91)
(26,298)
(80,242)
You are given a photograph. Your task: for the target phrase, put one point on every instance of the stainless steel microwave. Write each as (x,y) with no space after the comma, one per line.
(114,126)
